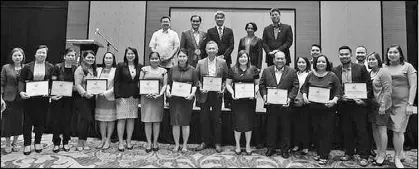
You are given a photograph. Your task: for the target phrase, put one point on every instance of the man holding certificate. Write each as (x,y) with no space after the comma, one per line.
(353,108)
(278,86)
(212,72)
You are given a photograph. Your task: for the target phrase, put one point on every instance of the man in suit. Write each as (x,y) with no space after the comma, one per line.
(191,40)
(353,112)
(282,77)
(216,67)
(277,37)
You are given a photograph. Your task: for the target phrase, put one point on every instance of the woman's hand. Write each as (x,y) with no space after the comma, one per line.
(56,97)
(88,95)
(189,97)
(330,103)
(305,99)
(382,110)
(24,95)
(409,109)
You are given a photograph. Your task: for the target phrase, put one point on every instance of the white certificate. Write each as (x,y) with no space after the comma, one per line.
(356,90)
(181,89)
(62,88)
(39,88)
(318,94)
(149,86)
(277,96)
(244,90)
(212,83)
(96,86)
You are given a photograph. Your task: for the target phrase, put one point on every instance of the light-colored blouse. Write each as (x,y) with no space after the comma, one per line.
(381,83)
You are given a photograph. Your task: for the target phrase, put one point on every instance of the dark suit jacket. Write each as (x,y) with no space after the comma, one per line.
(9,83)
(26,74)
(255,51)
(359,75)
(202,70)
(282,42)
(225,44)
(188,43)
(289,81)
(124,85)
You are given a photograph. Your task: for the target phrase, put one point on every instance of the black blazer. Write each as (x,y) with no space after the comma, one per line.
(255,51)
(188,43)
(124,85)
(27,75)
(289,81)
(359,74)
(225,44)
(282,42)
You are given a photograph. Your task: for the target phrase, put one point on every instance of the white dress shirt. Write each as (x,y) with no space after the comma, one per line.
(278,74)
(212,68)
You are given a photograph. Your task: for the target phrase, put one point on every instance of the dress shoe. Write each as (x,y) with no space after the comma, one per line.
(66,148)
(56,149)
(286,154)
(27,150)
(201,147)
(38,148)
(270,152)
(218,148)
(363,162)
(345,158)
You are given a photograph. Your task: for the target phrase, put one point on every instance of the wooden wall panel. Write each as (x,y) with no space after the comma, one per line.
(78,19)
(394,24)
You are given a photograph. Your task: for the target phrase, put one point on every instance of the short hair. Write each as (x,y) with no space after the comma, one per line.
(134,50)
(274,10)
(113,60)
(18,50)
(41,47)
(151,54)
(328,67)
(183,50)
(345,47)
(378,57)
(308,65)
(161,19)
(401,59)
(210,43)
(94,66)
(361,47)
(68,50)
(219,13)
(240,53)
(200,19)
(316,45)
(255,27)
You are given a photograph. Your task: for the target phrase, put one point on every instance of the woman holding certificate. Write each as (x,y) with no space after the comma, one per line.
(105,111)
(84,101)
(404,85)
(62,104)
(321,91)
(12,116)
(152,105)
(245,80)
(33,87)
(182,82)
(126,93)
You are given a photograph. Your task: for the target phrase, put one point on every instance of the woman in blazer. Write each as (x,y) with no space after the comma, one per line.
(35,107)
(252,45)
(12,116)
(127,94)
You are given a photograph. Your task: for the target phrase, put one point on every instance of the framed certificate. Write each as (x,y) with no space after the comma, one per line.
(276,96)
(37,88)
(356,90)
(149,86)
(181,89)
(62,88)
(244,90)
(96,86)
(318,94)
(212,83)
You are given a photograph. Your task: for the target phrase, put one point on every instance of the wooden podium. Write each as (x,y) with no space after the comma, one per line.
(85,44)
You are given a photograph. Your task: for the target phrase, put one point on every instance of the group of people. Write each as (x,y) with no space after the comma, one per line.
(391,89)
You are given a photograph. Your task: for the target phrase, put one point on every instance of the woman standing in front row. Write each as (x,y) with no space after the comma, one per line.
(127,93)
(12,117)
(35,107)
(84,101)
(322,113)
(105,111)
(404,85)
(152,105)
(244,108)
(180,108)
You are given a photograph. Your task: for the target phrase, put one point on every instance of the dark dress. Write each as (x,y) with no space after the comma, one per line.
(243,109)
(181,109)
(12,117)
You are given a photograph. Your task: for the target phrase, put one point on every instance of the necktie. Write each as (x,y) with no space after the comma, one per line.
(220,32)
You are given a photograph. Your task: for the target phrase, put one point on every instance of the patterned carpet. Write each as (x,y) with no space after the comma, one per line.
(165,158)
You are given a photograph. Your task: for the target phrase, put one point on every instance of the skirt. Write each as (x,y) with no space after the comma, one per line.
(126,108)
(12,119)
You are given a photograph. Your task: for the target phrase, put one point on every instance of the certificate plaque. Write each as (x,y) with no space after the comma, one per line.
(276,96)
(244,90)
(356,90)
(181,89)
(62,88)
(37,88)
(318,94)
(96,86)
(149,86)
(211,83)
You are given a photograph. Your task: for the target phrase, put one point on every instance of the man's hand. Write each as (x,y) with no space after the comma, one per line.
(409,110)
(288,103)
(359,102)
(382,110)
(330,103)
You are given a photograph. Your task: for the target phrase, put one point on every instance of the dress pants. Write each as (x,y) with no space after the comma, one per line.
(278,116)
(84,109)
(62,111)
(323,122)
(354,120)
(34,115)
(211,120)
(300,126)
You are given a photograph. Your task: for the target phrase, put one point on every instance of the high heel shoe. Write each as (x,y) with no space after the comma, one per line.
(66,148)
(237,152)
(56,149)
(377,163)
(121,149)
(27,152)
(38,150)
